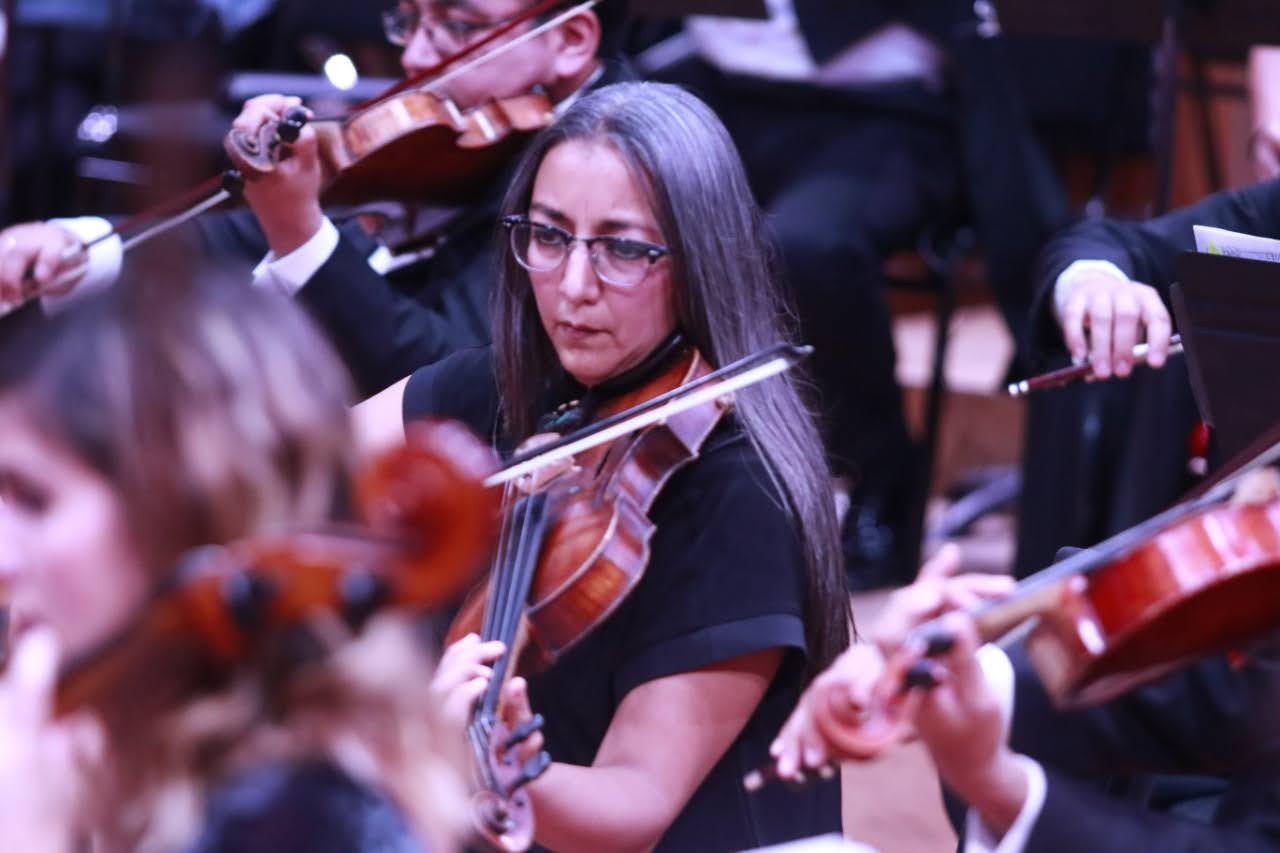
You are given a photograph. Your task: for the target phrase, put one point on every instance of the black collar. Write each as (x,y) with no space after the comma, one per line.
(583,402)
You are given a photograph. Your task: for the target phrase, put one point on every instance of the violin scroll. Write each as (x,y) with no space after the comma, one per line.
(257,153)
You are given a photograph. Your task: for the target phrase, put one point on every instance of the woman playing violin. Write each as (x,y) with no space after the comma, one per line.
(630,236)
(138,426)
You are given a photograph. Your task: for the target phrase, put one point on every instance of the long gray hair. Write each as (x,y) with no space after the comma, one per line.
(726,304)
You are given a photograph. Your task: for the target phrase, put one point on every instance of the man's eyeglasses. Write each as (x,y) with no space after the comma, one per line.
(399,25)
(619,261)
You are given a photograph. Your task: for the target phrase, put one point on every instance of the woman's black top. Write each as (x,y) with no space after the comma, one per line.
(726,577)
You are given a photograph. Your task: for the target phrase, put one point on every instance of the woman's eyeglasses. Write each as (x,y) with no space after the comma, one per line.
(619,261)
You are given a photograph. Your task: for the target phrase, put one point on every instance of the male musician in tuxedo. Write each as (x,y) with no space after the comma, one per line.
(1102,287)
(859,124)
(387,313)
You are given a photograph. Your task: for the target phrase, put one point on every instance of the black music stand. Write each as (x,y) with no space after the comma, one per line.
(1204,27)
(1228,312)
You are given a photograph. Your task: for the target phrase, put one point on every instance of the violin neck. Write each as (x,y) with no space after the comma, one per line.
(999,618)
(524,530)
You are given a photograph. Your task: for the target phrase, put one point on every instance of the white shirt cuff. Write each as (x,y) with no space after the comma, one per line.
(1069,278)
(980,839)
(104,260)
(295,269)
(998,672)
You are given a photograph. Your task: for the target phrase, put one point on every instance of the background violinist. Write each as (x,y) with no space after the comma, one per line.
(386,314)
(1039,779)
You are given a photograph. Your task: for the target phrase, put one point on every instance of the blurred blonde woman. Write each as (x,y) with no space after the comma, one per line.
(143,423)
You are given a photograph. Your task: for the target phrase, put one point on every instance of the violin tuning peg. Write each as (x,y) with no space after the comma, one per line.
(533,768)
(233,182)
(938,643)
(290,127)
(363,594)
(522,732)
(920,675)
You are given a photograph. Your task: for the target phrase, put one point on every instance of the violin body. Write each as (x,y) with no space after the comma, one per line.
(419,147)
(411,146)
(1207,584)
(597,546)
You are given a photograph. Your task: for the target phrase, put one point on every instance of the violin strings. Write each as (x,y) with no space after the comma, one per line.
(501,596)
(501,556)
(509,612)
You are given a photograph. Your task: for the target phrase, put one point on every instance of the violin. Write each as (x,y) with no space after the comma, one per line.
(408,144)
(1200,578)
(412,143)
(413,146)
(575,542)
(427,525)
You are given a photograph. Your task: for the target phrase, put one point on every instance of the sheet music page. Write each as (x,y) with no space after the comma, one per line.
(1220,241)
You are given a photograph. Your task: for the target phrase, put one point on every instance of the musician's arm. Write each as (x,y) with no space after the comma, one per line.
(665,738)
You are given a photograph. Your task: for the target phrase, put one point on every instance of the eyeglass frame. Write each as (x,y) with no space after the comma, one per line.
(462,32)
(653,252)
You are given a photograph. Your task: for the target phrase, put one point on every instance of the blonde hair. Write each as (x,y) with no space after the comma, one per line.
(216,411)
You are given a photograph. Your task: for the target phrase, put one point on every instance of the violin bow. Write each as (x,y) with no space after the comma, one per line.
(157,220)
(740,374)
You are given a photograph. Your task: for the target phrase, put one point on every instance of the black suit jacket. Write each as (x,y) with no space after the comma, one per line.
(1102,457)
(386,326)
(1145,251)
(1209,719)
(1016,201)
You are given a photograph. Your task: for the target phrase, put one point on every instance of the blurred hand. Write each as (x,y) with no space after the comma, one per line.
(855,676)
(515,713)
(40,758)
(800,747)
(961,722)
(462,676)
(1105,317)
(38,258)
(937,590)
(286,200)
(1264,150)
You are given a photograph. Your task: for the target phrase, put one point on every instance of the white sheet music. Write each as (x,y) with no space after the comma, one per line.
(1220,241)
